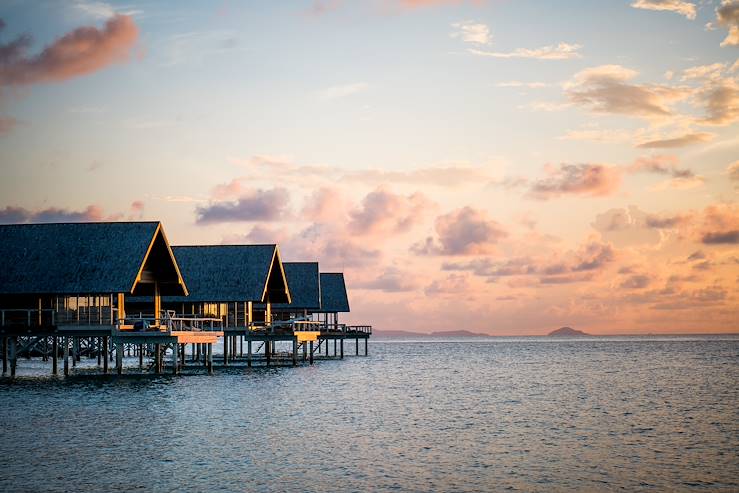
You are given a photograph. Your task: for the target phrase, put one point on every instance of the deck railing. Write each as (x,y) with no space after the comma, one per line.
(168,322)
(23,317)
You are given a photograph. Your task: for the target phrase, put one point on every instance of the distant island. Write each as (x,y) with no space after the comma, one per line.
(457,333)
(567,332)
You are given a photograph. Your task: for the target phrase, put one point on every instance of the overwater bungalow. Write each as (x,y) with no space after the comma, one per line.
(74,279)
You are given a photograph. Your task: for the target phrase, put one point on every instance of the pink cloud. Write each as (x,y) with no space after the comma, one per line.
(82,51)
(466,231)
(92,213)
(382,211)
(255,205)
(591,180)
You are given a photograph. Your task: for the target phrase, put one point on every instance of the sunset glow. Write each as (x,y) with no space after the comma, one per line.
(496,166)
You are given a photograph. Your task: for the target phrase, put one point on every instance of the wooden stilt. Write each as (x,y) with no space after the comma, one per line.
(5,356)
(210,359)
(357,345)
(74,351)
(54,355)
(295,351)
(99,349)
(341,346)
(226,343)
(267,351)
(157,358)
(192,349)
(141,356)
(311,352)
(175,357)
(305,351)
(365,345)
(334,348)
(119,358)
(248,353)
(241,346)
(326,342)
(13,355)
(66,355)
(105,354)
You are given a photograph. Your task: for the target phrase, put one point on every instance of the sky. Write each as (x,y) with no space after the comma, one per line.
(504,167)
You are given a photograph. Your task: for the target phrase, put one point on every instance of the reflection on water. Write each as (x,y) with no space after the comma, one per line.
(519,414)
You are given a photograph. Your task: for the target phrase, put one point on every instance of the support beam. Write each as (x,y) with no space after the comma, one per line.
(141,356)
(357,345)
(65,340)
(267,351)
(54,355)
(119,358)
(105,354)
(175,357)
(226,343)
(99,343)
(248,353)
(5,356)
(342,348)
(210,359)
(13,355)
(305,351)
(311,352)
(157,358)
(365,345)
(295,351)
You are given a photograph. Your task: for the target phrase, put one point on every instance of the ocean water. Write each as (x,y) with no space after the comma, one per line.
(503,414)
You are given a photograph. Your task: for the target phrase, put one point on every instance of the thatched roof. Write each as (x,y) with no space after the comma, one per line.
(87,258)
(333,293)
(305,288)
(228,273)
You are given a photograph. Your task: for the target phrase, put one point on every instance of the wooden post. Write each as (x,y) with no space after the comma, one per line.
(66,355)
(295,351)
(226,342)
(248,353)
(210,359)
(175,357)
(54,355)
(334,348)
(326,342)
(342,348)
(311,352)
(74,352)
(357,345)
(157,303)
(365,345)
(99,349)
(157,358)
(141,356)
(5,356)
(119,358)
(192,348)
(267,351)
(241,346)
(13,355)
(105,354)
(305,351)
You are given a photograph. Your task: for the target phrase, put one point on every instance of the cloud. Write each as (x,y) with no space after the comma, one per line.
(679,141)
(592,180)
(563,268)
(392,280)
(636,281)
(7,124)
(721,102)
(465,231)
(16,215)
(727,15)
(625,227)
(606,89)
(382,211)
(678,6)
(720,225)
(471,32)
(453,284)
(732,171)
(518,83)
(342,91)
(561,51)
(413,4)
(255,205)
(82,51)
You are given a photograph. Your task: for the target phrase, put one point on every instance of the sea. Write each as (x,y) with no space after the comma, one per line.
(649,413)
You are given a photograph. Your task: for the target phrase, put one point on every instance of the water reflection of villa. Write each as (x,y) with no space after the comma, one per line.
(107,290)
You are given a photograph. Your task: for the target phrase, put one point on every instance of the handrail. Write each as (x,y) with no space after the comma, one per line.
(28,311)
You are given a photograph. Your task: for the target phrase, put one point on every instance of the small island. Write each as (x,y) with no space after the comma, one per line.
(567,332)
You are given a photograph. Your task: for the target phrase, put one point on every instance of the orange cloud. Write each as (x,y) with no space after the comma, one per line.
(466,231)
(80,52)
(592,180)
(383,211)
(92,213)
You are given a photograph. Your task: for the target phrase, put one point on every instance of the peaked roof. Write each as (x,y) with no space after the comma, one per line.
(86,258)
(227,273)
(333,292)
(305,287)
